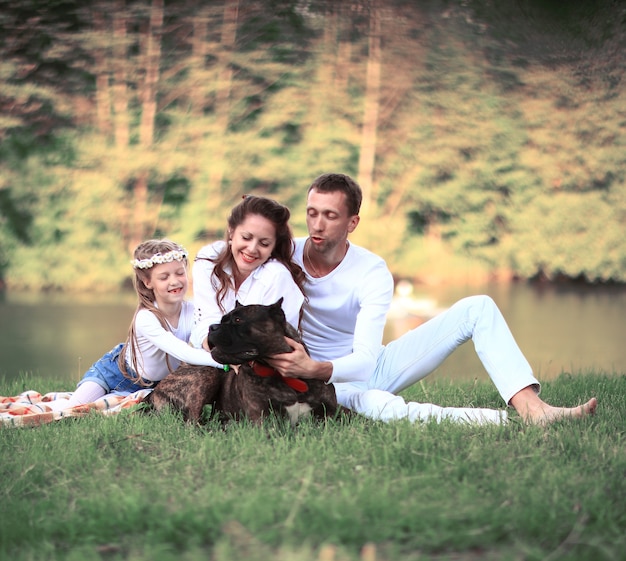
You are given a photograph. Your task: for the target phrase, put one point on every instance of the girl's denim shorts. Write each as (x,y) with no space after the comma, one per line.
(107,374)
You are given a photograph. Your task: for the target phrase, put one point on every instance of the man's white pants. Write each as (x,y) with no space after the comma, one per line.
(417,353)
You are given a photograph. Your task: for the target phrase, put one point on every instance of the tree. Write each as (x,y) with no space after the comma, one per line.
(478,126)
(151,47)
(369,130)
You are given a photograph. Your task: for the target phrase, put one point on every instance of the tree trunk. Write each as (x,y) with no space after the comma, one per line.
(324,95)
(225,72)
(147,96)
(199,52)
(120,90)
(326,70)
(101,70)
(223,93)
(342,65)
(367,156)
(152,64)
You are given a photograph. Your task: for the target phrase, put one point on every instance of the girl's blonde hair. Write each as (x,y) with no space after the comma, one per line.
(147,254)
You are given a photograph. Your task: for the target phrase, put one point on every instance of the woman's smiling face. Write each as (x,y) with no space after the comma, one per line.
(252,243)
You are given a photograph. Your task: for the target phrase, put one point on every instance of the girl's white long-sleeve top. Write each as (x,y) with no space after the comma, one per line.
(155,342)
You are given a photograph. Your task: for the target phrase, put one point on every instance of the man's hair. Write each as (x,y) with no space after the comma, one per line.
(332,182)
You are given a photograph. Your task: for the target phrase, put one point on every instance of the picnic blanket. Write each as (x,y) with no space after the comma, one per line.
(30,408)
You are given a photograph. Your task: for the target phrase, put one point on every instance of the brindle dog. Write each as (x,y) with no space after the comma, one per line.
(250,389)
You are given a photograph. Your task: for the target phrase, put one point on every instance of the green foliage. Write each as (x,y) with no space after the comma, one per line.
(582,234)
(500,140)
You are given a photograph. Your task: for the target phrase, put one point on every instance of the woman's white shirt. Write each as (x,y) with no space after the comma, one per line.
(265,285)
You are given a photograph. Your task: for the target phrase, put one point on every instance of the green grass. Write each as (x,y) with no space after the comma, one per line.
(140,487)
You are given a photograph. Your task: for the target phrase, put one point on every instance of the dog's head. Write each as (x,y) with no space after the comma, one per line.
(250,333)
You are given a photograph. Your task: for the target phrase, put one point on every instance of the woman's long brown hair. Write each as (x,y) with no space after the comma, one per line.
(283,251)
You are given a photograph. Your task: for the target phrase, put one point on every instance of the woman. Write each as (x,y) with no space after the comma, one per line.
(253,265)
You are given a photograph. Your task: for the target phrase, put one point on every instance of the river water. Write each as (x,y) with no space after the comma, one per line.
(559,328)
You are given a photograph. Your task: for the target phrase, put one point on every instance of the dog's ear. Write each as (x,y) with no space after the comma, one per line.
(276,310)
(238,305)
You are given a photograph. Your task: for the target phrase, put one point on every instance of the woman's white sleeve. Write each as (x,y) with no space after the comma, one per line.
(206,310)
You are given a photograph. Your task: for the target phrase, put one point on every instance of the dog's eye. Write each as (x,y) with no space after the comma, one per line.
(236,320)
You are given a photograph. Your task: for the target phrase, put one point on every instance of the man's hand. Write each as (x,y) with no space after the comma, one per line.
(298,364)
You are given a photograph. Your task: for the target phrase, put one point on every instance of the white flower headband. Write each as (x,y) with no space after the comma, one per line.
(158,259)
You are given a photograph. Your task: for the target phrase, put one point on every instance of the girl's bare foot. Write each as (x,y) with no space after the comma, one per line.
(535,411)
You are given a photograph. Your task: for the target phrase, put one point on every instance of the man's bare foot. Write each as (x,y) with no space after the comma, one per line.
(548,414)
(535,411)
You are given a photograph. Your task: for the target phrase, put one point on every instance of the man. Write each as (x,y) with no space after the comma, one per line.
(349,291)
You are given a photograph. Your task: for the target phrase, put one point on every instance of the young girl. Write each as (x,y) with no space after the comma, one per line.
(253,265)
(158,335)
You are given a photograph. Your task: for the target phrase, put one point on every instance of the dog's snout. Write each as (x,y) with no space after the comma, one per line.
(213,330)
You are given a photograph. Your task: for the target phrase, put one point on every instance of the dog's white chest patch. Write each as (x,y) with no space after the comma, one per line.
(297,410)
